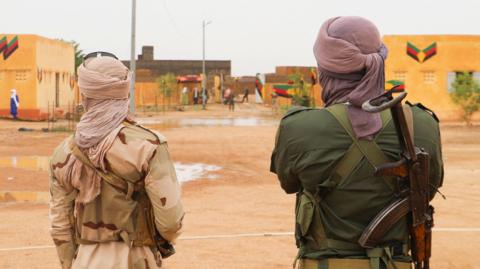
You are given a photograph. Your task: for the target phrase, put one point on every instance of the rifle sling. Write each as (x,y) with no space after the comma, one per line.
(108,176)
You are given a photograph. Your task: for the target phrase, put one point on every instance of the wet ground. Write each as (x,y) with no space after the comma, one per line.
(244,198)
(160,123)
(195,171)
(185,172)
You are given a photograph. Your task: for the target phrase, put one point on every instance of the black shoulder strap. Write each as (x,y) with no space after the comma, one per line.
(424,108)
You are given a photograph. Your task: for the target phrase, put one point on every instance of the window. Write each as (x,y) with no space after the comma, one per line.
(451,76)
(400,75)
(429,77)
(21,75)
(476,76)
(450,79)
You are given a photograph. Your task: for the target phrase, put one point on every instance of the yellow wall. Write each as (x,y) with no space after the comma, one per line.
(147,92)
(217,86)
(267,96)
(21,71)
(315,93)
(454,53)
(55,57)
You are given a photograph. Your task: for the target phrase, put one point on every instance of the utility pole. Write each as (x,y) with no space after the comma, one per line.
(204,77)
(132,59)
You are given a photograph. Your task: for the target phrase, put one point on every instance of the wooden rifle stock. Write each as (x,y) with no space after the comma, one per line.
(415,198)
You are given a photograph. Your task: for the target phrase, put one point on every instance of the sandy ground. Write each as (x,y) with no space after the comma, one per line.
(245,198)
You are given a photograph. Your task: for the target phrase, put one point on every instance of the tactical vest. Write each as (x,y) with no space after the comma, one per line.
(310,233)
(121,212)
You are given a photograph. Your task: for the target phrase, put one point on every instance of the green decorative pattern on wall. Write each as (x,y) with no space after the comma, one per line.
(8,48)
(421,55)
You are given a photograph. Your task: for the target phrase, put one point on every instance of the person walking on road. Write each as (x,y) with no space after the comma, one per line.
(229,97)
(196,95)
(245,95)
(185,96)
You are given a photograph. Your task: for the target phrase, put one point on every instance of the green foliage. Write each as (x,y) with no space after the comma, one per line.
(166,84)
(284,109)
(466,93)
(301,96)
(78,55)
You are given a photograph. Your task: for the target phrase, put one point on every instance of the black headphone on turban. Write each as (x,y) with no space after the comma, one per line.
(98,54)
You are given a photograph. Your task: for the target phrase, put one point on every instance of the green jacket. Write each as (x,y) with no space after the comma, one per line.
(331,216)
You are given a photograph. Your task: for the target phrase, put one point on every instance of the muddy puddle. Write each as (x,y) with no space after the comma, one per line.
(33,163)
(205,122)
(185,171)
(193,171)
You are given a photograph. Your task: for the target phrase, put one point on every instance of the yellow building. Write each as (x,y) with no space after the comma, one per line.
(42,72)
(428,64)
(281,76)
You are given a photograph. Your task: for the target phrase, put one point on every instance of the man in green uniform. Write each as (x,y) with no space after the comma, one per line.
(327,156)
(115,197)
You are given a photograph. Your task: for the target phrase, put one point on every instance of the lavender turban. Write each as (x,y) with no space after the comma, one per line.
(350,57)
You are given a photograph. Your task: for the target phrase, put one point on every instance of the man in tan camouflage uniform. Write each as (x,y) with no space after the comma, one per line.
(113,185)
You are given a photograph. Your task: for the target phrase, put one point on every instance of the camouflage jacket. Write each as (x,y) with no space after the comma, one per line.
(125,158)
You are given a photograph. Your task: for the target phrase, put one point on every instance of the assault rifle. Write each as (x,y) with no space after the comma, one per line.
(412,172)
(165,248)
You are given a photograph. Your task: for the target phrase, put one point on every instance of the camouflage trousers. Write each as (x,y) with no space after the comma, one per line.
(114,255)
(345,264)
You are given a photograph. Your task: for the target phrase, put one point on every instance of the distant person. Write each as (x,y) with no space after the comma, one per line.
(226,94)
(204,96)
(245,95)
(185,96)
(231,100)
(196,95)
(274,102)
(115,198)
(14,103)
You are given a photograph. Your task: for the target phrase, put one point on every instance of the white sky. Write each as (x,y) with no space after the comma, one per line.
(256,35)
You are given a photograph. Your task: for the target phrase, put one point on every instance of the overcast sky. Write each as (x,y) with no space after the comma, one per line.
(256,35)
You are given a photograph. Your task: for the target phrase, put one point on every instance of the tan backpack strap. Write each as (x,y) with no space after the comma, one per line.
(108,176)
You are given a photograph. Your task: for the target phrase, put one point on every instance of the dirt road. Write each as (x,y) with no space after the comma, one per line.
(243,199)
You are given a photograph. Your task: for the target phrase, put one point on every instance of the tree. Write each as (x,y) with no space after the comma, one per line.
(166,85)
(466,93)
(301,95)
(78,55)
